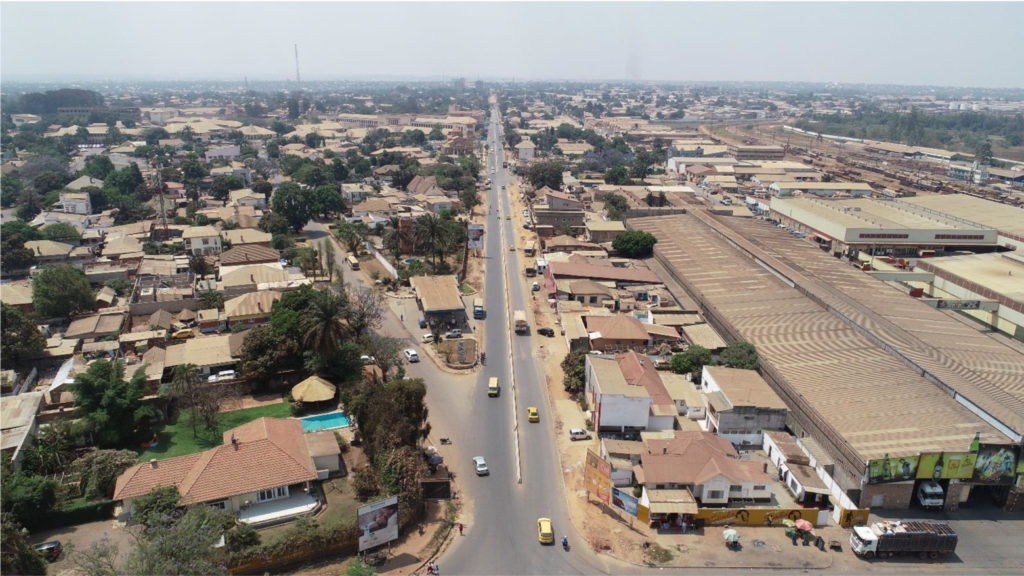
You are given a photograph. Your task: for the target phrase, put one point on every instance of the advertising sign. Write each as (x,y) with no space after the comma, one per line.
(597,475)
(892,469)
(476,237)
(378,523)
(996,464)
(624,501)
(946,465)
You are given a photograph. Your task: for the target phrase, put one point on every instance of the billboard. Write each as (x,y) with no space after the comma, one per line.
(624,501)
(476,237)
(946,465)
(378,523)
(597,475)
(996,464)
(892,469)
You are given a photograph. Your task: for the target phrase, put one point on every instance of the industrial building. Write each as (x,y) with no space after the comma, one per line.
(1007,220)
(876,381)
(878,226)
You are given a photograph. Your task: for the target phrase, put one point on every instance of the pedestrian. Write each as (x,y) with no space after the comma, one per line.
(460,528)
(402,317)
(794,538)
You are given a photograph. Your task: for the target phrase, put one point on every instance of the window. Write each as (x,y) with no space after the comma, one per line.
(714,495)
(272,494)
(883,235)
(759,487)
(735,488)
(593,299)
(222,505)
(959,237)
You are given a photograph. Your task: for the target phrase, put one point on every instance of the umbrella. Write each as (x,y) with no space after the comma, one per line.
(788,523)
(731,535)
(804,525)
(313,389)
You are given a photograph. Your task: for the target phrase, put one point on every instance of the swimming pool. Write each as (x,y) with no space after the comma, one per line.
(325,422)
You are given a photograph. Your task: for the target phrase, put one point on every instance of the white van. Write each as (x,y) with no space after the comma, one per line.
(930,494)
(578,434)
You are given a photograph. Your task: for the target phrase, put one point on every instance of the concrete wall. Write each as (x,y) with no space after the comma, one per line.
(621,411)
(893,495)
(172,306)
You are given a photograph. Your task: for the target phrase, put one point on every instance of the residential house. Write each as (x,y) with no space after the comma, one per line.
(17,294)
(566,243)
(589,292)
(97,325)
(245,236)
(252,133)
(80,221)
(210,354)
(458,145)
(48,251)
(354,193)
(622,455)
(202,240)
(741,405)
(210,320)
(75,202)
(616,333)
(236,169)
(704,335)
(526,150)
(561,201)
(706,465)
(19,425)
(84,182)
(246,197)
(602,231)
(245,255)
(626,394)
(373,205)
(263,472)
(795,471)
(250,309)
(221,153)
(438,204)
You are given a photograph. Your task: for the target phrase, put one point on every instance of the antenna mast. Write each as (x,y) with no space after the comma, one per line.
(298,79)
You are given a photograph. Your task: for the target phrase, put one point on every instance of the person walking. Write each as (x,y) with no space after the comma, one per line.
(460,528)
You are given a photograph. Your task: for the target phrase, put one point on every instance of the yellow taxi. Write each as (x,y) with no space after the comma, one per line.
(545,533)
(183,334)
(532,414)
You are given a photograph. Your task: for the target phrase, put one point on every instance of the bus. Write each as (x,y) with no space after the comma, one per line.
(478,308)
(530,249)
(353,262)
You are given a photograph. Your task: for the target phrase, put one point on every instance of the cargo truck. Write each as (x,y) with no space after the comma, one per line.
(886,539)
(519,320)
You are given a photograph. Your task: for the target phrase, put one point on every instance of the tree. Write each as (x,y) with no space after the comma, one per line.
(18,556)
(275,224)
(428,233)
(634,244)
(574,367)
(322,329)
(391,416)
(642,163)
(223,185)
(98,166)
(616,206)
(436,134)
(365,310)
(99,470)
(191,393)
(294,204)
(61,232)
(983,152)
(546,174)
(330,260)
(327,201)
(28,498)
(61,290)
(352,234)
(263,187)
(211,299)
(13,254)
(21,339)
(310,175)
(155,508)
(740,354)
(616,175)
(267,351)
(691,361)
(470,199)
(110,405)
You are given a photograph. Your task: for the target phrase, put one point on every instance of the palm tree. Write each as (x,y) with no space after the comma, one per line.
(323,331)
(352,234)
(394,237)
(211,299)
(429,231)
(184,387)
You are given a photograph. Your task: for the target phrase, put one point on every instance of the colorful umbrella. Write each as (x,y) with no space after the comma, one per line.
(788,523)
(804,525)
(731,535)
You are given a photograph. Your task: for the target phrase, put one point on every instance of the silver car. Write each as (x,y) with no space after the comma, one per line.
(481,466)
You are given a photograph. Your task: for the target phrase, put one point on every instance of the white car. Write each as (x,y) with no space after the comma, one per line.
(427,338)
(411,355)
(367,360)
(481,466)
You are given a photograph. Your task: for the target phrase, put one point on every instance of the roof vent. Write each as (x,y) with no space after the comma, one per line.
(152,463)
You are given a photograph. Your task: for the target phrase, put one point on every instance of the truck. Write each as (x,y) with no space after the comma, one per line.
(925,538)
(519,320)
(478,309)
(930,494)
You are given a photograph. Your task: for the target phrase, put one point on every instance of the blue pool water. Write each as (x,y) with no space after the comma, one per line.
(325,422)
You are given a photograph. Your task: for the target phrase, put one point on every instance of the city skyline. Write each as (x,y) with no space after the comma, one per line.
(846,43)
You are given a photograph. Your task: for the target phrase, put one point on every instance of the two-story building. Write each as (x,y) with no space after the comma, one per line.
(626,394)
(741,405)
(75,202)
(202,240)
(223,153)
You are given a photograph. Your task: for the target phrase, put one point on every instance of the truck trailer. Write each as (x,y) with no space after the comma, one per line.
(886,539)
(519,319)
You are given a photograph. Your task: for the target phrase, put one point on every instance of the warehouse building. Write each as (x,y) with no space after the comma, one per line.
(878,226)
(1007,220)
(878,383)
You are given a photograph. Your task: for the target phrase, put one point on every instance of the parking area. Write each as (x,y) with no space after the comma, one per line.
(77,538)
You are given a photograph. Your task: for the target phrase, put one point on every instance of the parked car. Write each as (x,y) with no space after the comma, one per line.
(549,332)
(50,550)
(367,360)
(480,465)
(453,333)
(427,338)
(182,335)
(411,355)
(578,434)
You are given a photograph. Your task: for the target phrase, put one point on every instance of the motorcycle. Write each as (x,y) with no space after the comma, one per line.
(446,441)
(483,358)
(565,543)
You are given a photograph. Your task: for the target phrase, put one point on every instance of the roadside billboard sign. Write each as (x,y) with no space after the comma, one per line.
(476,237)
(892,469)
(624,501)
(996,464)
(946,465)
(378,523)
(597,475)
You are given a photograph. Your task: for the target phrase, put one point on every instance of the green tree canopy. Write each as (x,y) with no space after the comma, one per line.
(574,368)
(740,354)
(691,361)
(61,232)
(546,174)
(28,498)
(98,166)
(634,244)
(61,290)
(18,556)
(294,203)
(617,175)
(616,206)
(110,405)
(21,339)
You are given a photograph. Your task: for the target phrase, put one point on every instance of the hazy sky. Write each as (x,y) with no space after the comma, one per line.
(950,44)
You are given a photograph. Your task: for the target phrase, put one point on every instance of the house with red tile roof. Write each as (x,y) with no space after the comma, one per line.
(263,471)
(627,394)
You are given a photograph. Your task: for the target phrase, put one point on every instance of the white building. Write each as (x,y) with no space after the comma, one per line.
(202,240)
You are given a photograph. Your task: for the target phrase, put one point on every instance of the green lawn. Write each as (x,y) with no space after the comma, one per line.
(175,439)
